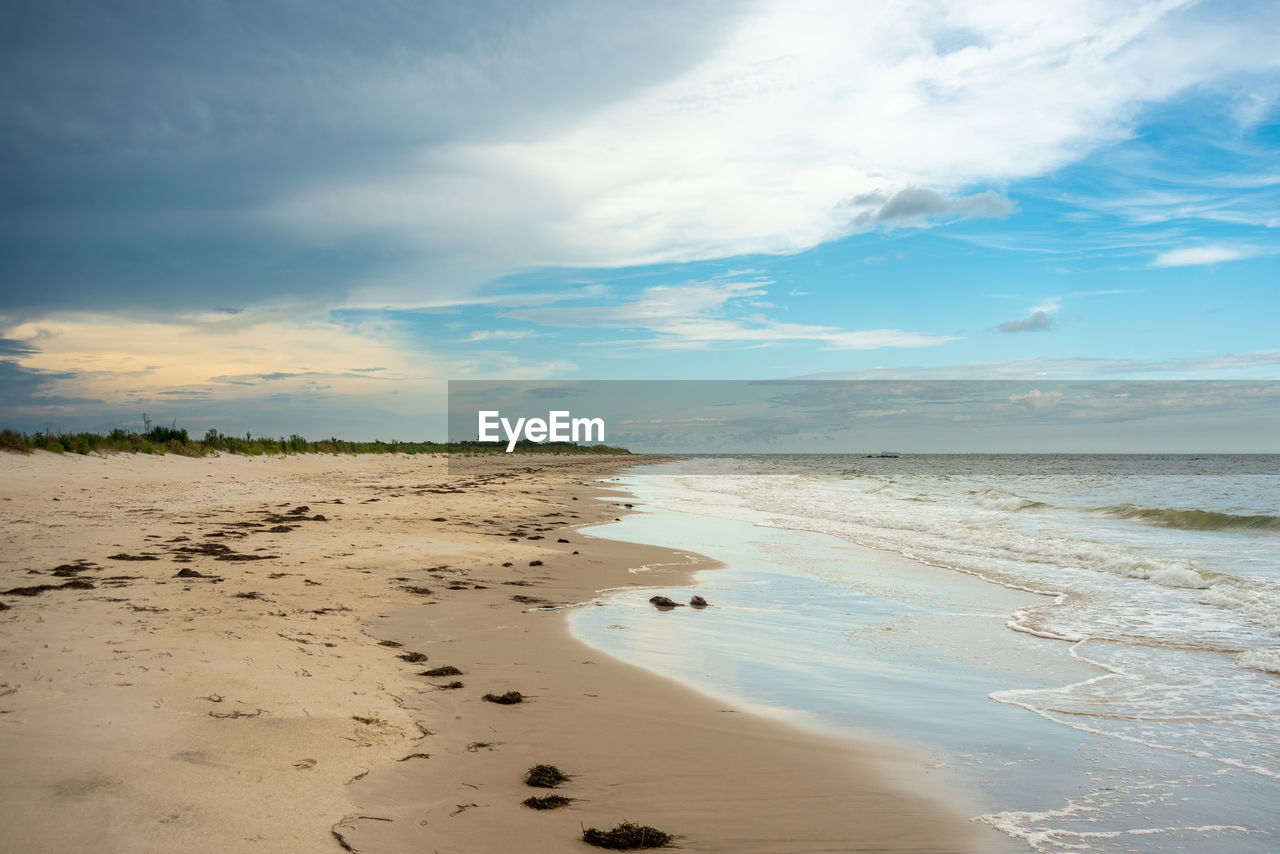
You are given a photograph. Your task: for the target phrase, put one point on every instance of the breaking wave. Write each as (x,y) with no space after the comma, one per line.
(1192,520)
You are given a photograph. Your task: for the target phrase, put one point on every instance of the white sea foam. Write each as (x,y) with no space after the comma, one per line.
(1266,660)
(1177,610)
(998,499)
(1256,599)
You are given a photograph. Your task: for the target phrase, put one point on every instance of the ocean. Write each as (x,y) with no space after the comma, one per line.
(1082,652)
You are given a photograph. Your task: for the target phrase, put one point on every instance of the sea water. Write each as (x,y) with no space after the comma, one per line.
(1088,647)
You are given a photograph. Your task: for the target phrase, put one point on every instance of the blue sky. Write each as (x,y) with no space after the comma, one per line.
(278,217)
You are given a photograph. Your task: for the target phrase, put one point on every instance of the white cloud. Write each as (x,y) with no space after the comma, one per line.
(246,357)
(1261,364)
(761,146)
(1197,255)
(502,335)
(112,358)
(700,315)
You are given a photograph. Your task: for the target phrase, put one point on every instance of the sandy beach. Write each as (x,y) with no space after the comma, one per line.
(227,654)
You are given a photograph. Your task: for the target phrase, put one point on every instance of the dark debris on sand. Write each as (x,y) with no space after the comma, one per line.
(421,591)
(71,570)
(447,670)
(545,777)
(210,549)
(217,551)
(506,699)
(550,802)
(626,837)
(191,573)
(73,584)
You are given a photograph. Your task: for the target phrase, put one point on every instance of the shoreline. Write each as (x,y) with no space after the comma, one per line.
(638,745)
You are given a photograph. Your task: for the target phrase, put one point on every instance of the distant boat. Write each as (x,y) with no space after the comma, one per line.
(883,455)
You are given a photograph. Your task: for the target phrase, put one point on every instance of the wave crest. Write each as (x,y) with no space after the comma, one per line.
(1192,520)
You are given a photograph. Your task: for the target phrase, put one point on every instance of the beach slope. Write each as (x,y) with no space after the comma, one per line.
(228,654)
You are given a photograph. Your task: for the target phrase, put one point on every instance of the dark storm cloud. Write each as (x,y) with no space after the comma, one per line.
(25,387)
(10,347)
(138,140)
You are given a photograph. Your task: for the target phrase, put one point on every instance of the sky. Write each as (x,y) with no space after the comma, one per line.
(278,217)
(859,416)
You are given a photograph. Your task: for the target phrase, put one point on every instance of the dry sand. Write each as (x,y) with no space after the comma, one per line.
(266,708)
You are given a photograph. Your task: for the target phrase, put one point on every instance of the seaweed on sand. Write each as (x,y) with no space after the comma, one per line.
(545,777)
(626,837)
(550,802)
(73,584)
(209,549)
(506,699)
(418,589)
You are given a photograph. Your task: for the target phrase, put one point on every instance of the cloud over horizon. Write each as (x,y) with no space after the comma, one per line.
(393,159)
(231,205)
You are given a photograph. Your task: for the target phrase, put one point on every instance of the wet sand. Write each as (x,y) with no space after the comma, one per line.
(275,701)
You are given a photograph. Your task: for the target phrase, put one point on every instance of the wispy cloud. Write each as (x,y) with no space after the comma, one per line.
(541,172)
(1198,255)
(502,335)
(105,357)
(254,370)
(719,313)
(1261,364)
(798,127)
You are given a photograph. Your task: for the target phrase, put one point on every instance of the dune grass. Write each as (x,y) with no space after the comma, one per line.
(171,440)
